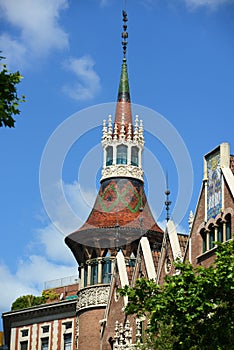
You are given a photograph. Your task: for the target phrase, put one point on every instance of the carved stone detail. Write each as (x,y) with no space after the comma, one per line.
(92,296)
(122,171)
(123,339)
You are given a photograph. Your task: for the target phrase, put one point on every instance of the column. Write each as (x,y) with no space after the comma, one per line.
(215,234)
(224,231)
(99,271)
(207,240)
(82,276)
(129,154)
(114,154)
(89,274)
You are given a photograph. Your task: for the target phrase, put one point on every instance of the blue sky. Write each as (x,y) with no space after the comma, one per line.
(180,63)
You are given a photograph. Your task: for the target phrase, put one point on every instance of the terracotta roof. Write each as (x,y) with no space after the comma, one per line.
(123,107)
(120,215)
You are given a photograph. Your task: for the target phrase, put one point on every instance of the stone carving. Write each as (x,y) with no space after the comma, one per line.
(122,171)
(123,336)
(92,296)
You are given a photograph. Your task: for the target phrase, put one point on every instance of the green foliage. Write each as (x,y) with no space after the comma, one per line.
(27,301)
(9,100)
(193,309)
(49,295)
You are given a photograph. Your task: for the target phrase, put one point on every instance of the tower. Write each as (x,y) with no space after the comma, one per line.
(120,215)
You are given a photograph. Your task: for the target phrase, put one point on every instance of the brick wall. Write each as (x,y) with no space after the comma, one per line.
(89,329)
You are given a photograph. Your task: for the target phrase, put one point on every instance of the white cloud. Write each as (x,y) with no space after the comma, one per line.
(51,258)
(53,245)
(36,27)
(213,4)
(68,205)
(88,84)
(13,50)
(36,269)
(13,288)
(29,278)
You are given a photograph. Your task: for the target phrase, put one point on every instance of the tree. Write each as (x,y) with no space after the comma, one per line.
(9,99)
(27,301)
(193,309)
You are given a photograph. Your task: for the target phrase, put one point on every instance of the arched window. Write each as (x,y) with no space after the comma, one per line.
(228,227)
(212,237)
(109,155)
(204,247)
(220,231)
(122,154)
(135,156)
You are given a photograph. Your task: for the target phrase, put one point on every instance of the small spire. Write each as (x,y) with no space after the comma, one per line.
(123,99)
(115,131)
(190,220)
(167,202)
(104,130)
(124,33)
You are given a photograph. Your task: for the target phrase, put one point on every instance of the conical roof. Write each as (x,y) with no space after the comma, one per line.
(123,107)
(121,214)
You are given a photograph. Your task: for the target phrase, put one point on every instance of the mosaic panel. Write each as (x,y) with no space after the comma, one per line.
(214,185)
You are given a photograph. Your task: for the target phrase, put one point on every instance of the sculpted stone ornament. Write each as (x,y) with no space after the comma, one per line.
(92,296)
(123,171)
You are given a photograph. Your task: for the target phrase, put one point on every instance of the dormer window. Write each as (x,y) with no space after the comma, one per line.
(122,154)
(109,155)
(135,156)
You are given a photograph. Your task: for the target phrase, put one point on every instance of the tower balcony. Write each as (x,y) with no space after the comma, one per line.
(93,297)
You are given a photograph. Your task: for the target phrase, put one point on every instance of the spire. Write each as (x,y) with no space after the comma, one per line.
(123,142)
(123,108)
(167,201)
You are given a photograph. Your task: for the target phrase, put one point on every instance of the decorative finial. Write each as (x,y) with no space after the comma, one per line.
(124,33)
(190,220)
(167,202)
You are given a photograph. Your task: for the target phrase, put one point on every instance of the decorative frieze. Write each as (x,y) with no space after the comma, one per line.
(92,297)
(122,171)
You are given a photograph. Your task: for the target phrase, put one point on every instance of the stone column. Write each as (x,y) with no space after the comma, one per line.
(82,276)
(89,275)
(207,240)
(224,231)
(99,271)
(216,234)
